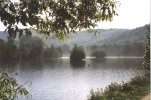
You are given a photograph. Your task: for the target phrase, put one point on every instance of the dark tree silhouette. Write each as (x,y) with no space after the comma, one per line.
(77,53)
(60,17)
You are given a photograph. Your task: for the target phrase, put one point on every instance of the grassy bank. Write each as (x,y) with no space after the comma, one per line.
(135,89)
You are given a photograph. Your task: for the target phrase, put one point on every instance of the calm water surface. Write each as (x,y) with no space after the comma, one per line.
(60,79)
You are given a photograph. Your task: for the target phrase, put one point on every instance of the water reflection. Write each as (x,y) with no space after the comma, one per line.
(8,65)
(117,63)
(30,65)
(99,61)
(61,79)
(52,63)
(4,63)
(77,64)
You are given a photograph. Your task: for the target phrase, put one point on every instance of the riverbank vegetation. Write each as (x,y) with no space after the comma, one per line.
(132,90)
(146,63)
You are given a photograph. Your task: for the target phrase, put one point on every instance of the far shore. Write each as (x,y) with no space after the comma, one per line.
(109,57)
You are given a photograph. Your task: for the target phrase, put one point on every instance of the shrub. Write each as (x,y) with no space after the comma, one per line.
(132,90)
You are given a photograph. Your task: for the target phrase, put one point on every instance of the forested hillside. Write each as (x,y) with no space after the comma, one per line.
(112,41)
(105,36)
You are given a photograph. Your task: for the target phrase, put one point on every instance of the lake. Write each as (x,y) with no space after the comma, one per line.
(60,79)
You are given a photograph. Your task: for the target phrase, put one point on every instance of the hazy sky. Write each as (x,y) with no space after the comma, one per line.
(132,14)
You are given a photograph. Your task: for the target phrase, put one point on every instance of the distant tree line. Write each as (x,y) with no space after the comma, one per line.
(30,48)
(98,53)
(8,50)
(52,52)
(133,49)
(27,48)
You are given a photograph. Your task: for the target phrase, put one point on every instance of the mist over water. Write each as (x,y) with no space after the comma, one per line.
(60,79)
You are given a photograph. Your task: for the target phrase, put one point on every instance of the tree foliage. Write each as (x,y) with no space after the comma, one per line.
(52,52)
(132,90)
(10,89)
(146,63)
(30,48)
(8,50)
(98,53)
(60,17)
(27,48)
(77,53)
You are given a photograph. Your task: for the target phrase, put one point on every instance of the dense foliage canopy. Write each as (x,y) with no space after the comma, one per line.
(30,48)
(60,17)
(77,53)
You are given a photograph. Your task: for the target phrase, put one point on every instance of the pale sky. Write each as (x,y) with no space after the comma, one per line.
(131,14)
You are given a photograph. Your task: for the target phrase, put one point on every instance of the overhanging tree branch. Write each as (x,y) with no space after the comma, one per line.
(62,16)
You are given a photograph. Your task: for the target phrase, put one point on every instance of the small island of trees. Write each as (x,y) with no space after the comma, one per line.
(77,53)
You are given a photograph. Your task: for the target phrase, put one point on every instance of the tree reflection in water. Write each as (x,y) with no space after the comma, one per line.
(77,64)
